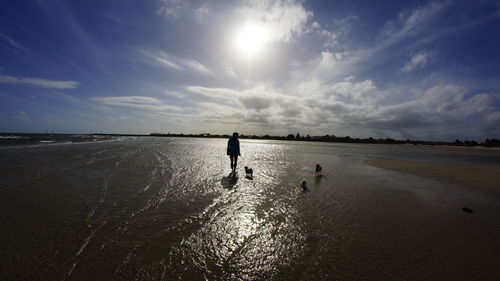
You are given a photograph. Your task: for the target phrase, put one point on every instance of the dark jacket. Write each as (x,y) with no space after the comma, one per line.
(233,146)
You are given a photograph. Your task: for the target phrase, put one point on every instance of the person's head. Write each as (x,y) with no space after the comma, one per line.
(235,135)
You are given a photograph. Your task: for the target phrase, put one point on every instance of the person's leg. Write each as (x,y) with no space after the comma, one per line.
(235,161)
(231,157)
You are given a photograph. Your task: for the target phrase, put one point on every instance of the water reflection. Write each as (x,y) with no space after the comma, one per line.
(317,179)
(246,233)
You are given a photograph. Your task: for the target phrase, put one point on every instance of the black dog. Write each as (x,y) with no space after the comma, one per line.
(249,172)
(303,185)
(317,171)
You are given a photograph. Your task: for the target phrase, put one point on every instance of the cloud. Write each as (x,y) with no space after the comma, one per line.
(23,116)
(140,102)
(162,58)
(257,98)
(195,66)
(351,107)
(200,13)
(229,71)
(217,93)
(410,23)
(282,19)
(433,107)
(52,84)
(171,8)
(417,61)
(173,94)
(364,91)
(183,9)
(11,42)
(255,102)
(410,29)
(333,35)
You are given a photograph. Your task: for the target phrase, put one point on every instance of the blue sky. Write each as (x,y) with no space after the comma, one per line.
(400,69)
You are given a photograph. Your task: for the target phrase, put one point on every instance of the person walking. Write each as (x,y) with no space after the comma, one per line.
(233,150)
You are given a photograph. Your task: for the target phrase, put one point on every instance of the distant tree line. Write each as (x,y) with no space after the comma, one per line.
(331,138)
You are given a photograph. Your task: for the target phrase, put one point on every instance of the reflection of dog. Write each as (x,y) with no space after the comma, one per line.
(317,171)
(249,172)
(303,185)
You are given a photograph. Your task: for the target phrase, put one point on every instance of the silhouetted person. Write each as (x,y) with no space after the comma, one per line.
(233,150)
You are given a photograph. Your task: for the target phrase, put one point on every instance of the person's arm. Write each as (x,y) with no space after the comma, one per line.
(228,146)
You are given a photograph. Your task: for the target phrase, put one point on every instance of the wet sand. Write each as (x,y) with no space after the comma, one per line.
(485,178)
(167,209)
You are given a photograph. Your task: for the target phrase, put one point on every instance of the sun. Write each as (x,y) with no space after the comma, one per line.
(251,39)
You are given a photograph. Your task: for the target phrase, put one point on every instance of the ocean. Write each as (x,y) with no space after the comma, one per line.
(146,208)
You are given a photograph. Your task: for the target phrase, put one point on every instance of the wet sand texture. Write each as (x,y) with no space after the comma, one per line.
(168,209)
(485,178)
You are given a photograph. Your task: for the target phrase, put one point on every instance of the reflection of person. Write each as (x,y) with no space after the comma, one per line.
(233,150)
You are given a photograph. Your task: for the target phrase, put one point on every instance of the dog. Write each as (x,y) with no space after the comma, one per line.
(317,171)
(303,185)
(467,210)
(249,172)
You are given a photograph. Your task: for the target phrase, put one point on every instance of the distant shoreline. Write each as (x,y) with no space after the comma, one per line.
(326,138)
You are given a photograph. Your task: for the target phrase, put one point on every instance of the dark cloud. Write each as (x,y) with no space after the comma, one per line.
(255,102)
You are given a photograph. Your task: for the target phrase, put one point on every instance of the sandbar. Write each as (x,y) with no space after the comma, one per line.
(485,178)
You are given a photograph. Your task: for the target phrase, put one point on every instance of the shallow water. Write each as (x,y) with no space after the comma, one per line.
(167,209)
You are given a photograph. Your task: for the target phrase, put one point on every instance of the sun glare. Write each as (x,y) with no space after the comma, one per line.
(251,39)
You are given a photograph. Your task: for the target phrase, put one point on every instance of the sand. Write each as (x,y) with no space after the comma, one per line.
(485,178)
(167,209)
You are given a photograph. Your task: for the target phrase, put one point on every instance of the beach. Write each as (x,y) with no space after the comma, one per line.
(485,178)
(146,208)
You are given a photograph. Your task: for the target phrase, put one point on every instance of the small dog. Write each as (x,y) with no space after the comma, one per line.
(249,172)
(303,185)
(317,171)
(467,210)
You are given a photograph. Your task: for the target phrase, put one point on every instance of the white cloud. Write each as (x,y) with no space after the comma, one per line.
(201,13)
(349,107)
(338,29)
(171,8)
(217,93)
(53,84)
(493,117)
(334,88)
(229,71)
(282,19)
(160,57)
(195,66)
(411,26)
(173,94)
(183,9)
(417,61)
(364,91)
(411,22)
(140,102)
(164,59)
(23,116)
(11,42)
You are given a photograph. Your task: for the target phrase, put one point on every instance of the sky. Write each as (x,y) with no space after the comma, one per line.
(427,70)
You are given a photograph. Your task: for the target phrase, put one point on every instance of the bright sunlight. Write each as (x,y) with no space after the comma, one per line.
(251,39)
